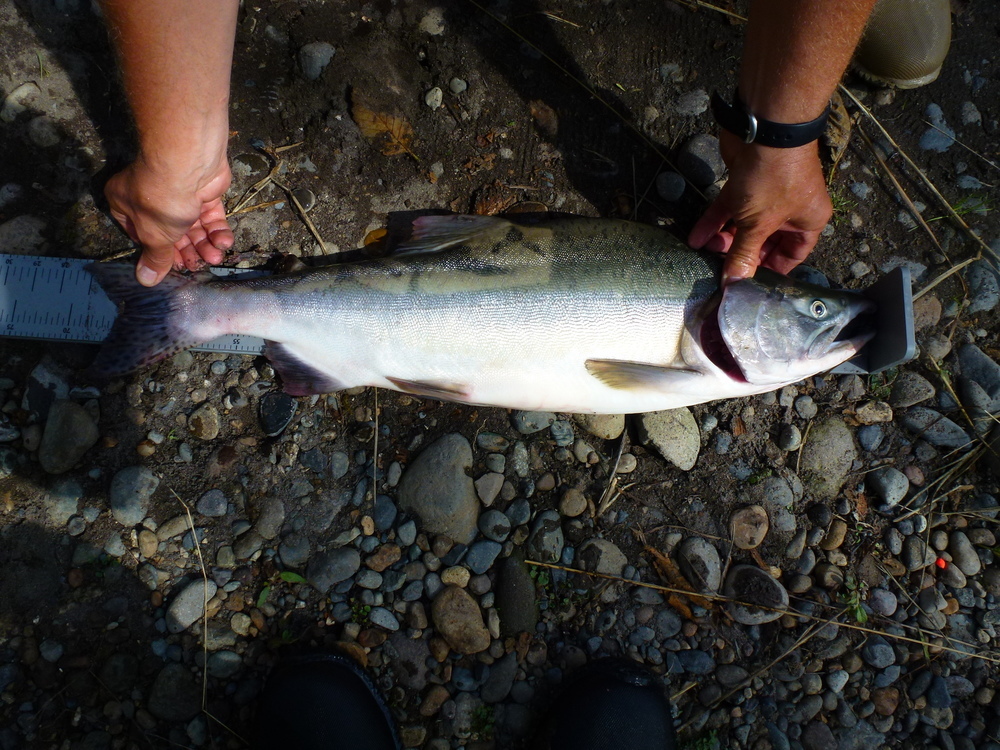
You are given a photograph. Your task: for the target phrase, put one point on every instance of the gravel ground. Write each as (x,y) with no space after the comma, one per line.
(860,513)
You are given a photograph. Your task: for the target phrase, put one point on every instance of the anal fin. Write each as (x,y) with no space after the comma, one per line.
(299,378)
(443,391)
(628,376)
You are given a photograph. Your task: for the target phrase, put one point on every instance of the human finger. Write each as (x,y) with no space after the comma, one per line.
(744,255)
(154,264)
(710,224)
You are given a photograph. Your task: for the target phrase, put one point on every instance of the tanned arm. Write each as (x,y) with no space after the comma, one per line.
(775,203)
(176,57)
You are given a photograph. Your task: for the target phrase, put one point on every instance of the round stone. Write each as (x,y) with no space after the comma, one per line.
(699,561)
(748,527)
(203,423)
(573,503)
(494,525)
(757,595)
(213,504)
(130,492)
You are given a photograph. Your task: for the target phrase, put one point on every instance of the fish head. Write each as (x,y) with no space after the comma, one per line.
(778,330)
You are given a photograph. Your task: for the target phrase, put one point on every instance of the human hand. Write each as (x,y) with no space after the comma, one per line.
(177,218)
(770,212)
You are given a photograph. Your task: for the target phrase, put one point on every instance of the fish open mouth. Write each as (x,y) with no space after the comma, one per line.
(715,348)
(858,331)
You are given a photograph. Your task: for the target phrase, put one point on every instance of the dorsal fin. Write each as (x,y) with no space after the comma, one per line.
(432,234)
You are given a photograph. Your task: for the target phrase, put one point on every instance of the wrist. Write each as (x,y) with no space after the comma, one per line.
(736,149)
(739,119)
(181,169)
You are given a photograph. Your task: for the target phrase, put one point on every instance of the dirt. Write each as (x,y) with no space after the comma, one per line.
(566,106)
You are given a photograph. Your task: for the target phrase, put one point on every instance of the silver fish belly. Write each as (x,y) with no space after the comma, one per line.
(575,315)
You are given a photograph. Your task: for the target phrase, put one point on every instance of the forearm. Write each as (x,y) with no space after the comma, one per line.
(176,58)
(795,54)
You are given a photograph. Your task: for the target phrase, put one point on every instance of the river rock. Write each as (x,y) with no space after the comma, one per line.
(700,160)
(748,526)
(604,426)
(189,605)
(545,543)
(910,389)
(515,598)
(963,554)
(827,457)
(204,422)
(313,59)
(916,553)
(327,569)
(175,694)
(979,369)
(778,496)
(437,488)
(458,619)
(601,556)
(674,434)
(889,485)
(750,584)
(699,562)
(530,422)
(935,428)
(984,288)
(130,492)
(70,432)
(940,137)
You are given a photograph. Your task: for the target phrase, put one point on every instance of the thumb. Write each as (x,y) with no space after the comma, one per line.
(743,257)
(154,264)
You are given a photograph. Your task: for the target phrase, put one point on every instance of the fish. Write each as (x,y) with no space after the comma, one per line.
(570,314)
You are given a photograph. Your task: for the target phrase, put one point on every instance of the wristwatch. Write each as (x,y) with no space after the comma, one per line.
(740,121)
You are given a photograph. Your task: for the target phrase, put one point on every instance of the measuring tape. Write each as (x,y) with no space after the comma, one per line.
(55,299)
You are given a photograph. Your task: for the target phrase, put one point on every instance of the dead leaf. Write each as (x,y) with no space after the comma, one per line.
(545,118)
(739,426)
(376,235)
(392,134)
(671,576)
(478,163)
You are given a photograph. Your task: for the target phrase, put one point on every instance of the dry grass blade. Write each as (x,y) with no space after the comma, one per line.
(204,623)
(204,609)
(699,4)
(392,134)
(902,193)
(302,215)
(611,492)
(983,247)
(782,611)
(256,207)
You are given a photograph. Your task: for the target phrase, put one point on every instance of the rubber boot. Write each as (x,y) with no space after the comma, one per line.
(323,702)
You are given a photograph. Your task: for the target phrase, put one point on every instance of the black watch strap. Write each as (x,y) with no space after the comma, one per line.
(739,120)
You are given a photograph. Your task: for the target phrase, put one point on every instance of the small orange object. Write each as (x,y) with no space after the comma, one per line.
(941,563)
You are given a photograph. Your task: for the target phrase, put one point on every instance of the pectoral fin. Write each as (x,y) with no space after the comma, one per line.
(444,391)
(629,376)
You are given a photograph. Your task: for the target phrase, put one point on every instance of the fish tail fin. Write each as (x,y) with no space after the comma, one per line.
(150,325)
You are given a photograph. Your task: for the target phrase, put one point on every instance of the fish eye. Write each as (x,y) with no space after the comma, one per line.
(818,309)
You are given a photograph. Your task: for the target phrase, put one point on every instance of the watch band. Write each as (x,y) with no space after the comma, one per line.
(739,120)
